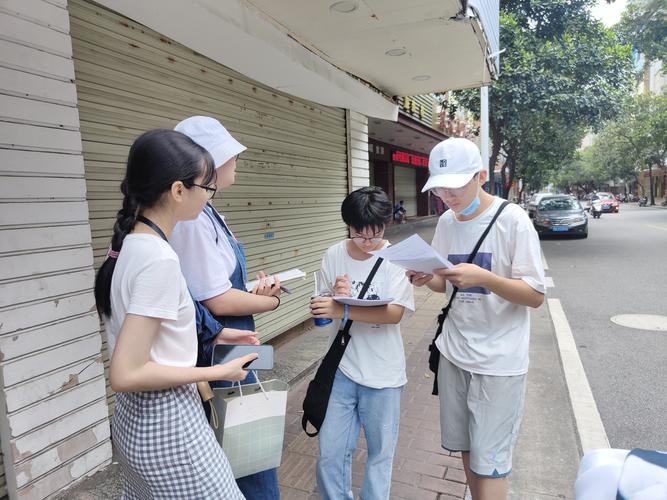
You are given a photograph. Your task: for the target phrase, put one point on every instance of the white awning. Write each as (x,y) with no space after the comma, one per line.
(309,49)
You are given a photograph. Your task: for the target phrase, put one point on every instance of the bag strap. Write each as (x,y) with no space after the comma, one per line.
(364,289)
(445,310)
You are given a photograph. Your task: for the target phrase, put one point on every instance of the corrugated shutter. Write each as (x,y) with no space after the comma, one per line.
(405,188)
(285,204)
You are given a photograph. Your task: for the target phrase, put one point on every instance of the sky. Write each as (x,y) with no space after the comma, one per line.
(609,14)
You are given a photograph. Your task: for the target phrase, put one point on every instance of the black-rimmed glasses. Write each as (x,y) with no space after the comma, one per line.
(361,239)
(210,190)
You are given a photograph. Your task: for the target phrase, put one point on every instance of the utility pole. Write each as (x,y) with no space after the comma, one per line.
(484,134)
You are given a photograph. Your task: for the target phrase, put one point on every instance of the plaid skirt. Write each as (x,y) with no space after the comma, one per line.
(167,449)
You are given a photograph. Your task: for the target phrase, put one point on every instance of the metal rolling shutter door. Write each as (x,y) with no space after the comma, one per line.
(285,205)
(405,182)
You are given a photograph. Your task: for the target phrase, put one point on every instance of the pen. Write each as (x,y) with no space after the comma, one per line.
(285,289)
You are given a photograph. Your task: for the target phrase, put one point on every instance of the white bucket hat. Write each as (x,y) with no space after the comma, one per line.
(453,163)
(212,136)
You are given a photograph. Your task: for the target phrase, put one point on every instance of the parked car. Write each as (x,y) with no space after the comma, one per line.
(560,215)
(609,202)
(534,201)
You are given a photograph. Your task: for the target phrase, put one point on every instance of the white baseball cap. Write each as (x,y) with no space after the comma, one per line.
(212,136)
(453,163)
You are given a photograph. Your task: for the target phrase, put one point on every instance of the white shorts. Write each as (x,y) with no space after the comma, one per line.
(480,414)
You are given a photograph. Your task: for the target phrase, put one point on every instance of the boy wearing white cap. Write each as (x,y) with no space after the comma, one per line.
(214,265)
(484,343)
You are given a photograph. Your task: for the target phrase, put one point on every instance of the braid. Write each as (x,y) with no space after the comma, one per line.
(126,218)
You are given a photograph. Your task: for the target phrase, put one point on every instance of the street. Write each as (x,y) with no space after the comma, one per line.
(619,269)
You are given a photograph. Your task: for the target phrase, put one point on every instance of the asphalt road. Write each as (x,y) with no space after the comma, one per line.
(620,269)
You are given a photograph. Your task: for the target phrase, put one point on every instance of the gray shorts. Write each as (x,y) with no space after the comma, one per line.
(480,414)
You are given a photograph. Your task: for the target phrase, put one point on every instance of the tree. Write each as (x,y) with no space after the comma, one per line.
(642,130)
(636,141)
(562,72)
(582,173)
(644,25)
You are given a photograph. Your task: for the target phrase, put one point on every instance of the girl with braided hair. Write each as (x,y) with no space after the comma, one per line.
(166,447)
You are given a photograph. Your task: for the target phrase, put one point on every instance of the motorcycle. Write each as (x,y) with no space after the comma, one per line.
(596,208)
(643,201)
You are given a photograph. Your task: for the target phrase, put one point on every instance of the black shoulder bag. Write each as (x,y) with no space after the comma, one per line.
(319,389)
(434,356)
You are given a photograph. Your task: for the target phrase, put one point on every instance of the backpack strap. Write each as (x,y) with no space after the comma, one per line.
(346,329)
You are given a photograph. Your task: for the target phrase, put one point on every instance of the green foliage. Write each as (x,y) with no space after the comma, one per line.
(635,141)
(582,172)
(562,72)
(644,25)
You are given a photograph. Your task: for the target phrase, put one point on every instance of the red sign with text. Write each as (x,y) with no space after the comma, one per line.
(399,156)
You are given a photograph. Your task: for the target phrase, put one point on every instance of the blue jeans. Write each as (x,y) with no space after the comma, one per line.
(351,406)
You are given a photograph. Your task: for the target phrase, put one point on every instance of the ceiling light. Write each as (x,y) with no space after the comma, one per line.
(344,7)
(421,78)
(396,52)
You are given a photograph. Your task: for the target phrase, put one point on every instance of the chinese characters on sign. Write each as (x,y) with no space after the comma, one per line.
(399,156)
(412,107)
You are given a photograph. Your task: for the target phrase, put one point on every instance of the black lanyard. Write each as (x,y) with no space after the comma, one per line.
(153,226)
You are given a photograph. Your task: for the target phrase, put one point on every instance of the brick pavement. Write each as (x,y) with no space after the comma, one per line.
(422,469)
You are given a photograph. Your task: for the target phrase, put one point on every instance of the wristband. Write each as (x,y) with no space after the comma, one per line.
(345,313)
(278,304)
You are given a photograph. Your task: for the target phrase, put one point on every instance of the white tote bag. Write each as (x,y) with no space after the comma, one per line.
(251,425)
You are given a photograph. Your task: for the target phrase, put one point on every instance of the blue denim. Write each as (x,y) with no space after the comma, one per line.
(352,406)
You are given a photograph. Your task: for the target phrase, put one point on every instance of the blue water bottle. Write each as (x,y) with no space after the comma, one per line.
(322,321)
(321,290)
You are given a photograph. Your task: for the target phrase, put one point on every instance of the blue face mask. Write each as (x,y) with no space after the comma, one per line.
(470,209)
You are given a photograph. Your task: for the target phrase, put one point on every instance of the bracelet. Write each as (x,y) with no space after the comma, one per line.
(345,313)
(278,304)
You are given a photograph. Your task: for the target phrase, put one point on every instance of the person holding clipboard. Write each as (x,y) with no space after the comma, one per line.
(214,265)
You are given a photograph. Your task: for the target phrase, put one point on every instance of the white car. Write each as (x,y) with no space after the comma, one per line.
(534,201)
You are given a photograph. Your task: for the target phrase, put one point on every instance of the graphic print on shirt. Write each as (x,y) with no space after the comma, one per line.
(482,259)
(371,294)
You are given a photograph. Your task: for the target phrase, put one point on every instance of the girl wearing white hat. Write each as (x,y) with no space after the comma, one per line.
(214,265)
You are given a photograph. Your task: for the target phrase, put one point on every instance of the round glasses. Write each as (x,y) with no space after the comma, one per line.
(210,190)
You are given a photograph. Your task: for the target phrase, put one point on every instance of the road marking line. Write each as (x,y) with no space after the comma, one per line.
(586,415)
(549,282)
(656,227)
(544,261)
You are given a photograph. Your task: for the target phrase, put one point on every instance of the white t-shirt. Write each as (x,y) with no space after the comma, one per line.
(147,281)
(484,333)
(206,264)
(375,356)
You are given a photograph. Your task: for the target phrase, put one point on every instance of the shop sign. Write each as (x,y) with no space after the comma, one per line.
(398,156)
(413,107)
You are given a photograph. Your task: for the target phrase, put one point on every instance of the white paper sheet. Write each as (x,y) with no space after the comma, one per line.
(353,301)
(414,254)
(284,276)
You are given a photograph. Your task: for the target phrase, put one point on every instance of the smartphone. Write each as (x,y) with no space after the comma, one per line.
(223,353)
